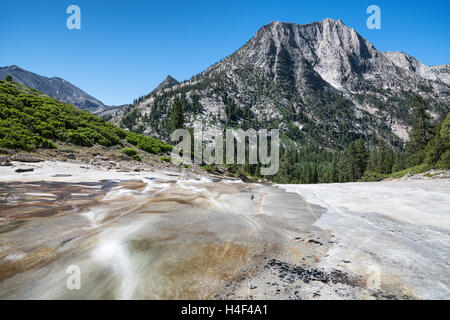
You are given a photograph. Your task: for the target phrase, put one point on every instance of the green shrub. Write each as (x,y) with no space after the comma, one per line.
(444,162)
(133,138)
(413,170)
(165,158)
(148,144)
(131,153)
(79,138)
(371,176)
(210,168)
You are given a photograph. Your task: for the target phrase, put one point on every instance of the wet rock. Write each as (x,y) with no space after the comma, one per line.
(70,156)
(314,241)
(20,158)
(24,170)
(289,272)
(5,161)
(95,162)
(6,164)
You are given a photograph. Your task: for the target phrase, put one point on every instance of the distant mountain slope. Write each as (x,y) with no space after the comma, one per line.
(321,82)
(113,111)
(30,120)
(57,88)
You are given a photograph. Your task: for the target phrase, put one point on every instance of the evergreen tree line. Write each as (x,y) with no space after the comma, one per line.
(429,144)
(363,158)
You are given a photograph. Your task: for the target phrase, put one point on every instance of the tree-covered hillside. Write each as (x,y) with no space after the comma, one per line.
(30,120)
(428,147)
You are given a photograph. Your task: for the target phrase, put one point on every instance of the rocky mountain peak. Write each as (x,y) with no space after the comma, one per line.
(322,73)
(167,83)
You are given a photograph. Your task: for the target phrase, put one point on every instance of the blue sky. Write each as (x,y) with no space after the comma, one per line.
(126,48)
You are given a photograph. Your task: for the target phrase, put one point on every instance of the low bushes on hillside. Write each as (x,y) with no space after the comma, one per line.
(148,144)
(30,120)
(131,153)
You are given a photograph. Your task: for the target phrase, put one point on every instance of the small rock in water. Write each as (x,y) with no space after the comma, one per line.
(24,170)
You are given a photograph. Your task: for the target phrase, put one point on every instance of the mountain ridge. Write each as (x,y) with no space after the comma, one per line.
(55,87)
(324,70)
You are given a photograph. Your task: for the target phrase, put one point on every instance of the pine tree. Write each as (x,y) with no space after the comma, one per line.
(176,115)
(438,151)
(361,157)
(314,174)
(420,108)
(419,135)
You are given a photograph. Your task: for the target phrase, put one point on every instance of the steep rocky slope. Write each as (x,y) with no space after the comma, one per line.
(320,82)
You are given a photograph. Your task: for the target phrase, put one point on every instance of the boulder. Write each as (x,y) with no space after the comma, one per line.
(21,158)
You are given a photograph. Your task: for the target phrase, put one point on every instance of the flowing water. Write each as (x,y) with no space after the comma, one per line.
(147,239)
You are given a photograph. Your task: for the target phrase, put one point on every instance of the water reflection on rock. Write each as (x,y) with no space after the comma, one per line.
(150,239)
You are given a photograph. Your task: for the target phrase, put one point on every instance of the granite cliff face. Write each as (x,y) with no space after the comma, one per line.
(316,82)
